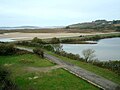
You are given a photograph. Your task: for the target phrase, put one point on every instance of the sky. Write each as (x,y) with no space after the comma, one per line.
(56,12)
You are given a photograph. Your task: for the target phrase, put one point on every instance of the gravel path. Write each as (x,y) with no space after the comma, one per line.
(84,74)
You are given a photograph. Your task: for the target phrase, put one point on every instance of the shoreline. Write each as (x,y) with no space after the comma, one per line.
(29,36)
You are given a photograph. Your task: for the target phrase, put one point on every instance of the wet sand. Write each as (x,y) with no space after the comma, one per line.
(29,36)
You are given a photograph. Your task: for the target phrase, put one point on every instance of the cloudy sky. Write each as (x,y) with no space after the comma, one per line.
(56,12)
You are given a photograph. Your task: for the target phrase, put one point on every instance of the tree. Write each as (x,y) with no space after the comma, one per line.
(37,40)
(88,54)
(55,40)
(67,27)
(57,47)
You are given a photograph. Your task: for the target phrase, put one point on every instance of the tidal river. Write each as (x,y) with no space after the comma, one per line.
(105,49)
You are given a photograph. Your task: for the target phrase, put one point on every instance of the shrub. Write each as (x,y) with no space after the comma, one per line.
(21,52)
(37,40)
(28,43)
(117,28)
(55,40)
(67,40)
(69,55)
(48,47)
(5,81)
(7,49)
(67,27)
(111,65)
(39,52)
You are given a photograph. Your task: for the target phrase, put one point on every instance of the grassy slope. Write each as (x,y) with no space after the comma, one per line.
(100,71)
(58,79)
(26,59)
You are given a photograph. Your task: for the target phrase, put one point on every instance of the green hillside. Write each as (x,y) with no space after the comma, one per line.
(98,24)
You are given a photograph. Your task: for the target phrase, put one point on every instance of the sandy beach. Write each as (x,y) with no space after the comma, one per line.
(29,36)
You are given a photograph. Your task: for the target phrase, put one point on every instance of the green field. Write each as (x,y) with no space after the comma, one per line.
(97,70)
(25,60)
(57,79)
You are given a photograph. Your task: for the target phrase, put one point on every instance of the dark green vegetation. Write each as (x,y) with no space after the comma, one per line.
(98,25)
(5,81)
(7,49)
(69,55)
(39,52)
(54,40)
(37,40)
(106,73)
(50,41)
(82,39)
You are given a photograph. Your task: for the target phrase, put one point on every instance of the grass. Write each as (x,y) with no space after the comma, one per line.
(58,79)
(25,60)
(92,68)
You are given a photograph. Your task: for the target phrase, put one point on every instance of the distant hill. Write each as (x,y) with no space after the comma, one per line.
(29,27)
(19,27)
(98,24)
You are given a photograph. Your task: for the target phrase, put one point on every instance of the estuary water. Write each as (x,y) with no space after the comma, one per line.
(6,40)
(105,49)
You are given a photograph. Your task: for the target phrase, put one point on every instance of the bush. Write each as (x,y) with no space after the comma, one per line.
(49,48)
(69,55)
(7,49)
(39,52)
(111,65)
(117,28)
(55,40)
(37,40)
(21,52)
(67,40)
(5,81)
(67,27)
(30,44)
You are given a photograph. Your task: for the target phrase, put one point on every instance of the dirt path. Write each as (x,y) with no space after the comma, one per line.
(42,69)
(80,72)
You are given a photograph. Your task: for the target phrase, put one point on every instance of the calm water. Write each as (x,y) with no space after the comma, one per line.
(6,40)
(106,49)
